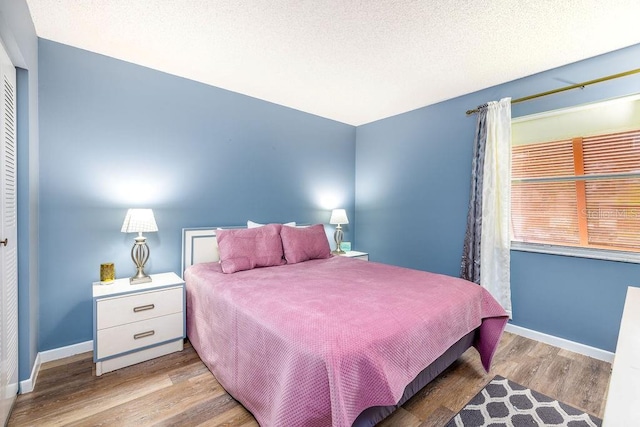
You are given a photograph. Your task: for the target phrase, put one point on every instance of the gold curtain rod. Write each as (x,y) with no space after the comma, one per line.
(562,89)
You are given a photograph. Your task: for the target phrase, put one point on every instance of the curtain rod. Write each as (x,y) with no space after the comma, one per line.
(562,89)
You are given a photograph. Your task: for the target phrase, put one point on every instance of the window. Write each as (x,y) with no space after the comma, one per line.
(583,188)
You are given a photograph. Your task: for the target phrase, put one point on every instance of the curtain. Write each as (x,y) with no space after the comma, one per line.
(470,266)
(487,248)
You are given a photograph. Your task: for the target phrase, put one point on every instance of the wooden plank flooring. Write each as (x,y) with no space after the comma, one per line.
(178,390)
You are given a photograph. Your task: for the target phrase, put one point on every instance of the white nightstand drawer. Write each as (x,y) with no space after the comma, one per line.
(131,336)
(140,306)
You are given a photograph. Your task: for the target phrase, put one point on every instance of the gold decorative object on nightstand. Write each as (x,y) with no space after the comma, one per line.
(107,273)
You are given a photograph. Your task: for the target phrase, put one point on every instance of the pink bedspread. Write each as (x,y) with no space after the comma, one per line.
(316,343)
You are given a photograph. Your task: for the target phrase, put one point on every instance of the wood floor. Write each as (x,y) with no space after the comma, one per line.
(178,390)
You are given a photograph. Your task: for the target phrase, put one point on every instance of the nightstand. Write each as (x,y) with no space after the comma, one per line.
(356,254)
(134,323)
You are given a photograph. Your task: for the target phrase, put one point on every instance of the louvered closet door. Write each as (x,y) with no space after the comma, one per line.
(8,238)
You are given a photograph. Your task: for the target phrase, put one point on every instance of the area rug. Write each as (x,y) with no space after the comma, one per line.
(505,403)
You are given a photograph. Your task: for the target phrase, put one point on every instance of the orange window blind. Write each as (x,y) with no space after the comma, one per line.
(578,192)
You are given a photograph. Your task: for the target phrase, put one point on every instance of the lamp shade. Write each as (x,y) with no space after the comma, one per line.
(339,216)
(139,221)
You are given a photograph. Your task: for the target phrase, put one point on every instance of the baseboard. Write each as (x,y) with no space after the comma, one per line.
(27,386)
(576,347)
(62,352)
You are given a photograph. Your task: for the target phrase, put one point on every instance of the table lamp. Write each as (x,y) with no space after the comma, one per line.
(139,221)
(339,217)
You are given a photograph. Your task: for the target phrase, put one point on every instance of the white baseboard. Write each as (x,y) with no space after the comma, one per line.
(62,352)
(576,347)
(27,386)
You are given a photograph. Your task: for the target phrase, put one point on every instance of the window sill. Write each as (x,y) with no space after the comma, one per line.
(602,254)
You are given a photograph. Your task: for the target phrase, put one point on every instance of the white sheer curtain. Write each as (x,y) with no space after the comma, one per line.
(495,244)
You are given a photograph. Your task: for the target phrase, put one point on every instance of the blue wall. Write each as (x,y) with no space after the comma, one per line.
(19,37)
(412,191)
(116,135)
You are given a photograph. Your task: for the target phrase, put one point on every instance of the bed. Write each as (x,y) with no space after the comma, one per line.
(330,341)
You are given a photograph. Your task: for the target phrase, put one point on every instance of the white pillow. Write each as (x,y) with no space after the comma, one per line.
(251,224)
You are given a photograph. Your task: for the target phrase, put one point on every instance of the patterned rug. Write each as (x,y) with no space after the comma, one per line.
(505,403)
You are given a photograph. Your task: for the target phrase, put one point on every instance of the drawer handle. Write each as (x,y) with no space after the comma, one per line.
(144,308)
(143,335)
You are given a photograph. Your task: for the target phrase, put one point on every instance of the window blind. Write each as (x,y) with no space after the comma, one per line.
(578,192)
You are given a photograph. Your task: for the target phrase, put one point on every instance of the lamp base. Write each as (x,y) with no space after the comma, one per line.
(337,236)
(140,255)
(135,280)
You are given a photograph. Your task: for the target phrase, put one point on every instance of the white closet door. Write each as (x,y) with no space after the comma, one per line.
(8,238)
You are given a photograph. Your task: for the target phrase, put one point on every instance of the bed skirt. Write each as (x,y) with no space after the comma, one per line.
(371,416)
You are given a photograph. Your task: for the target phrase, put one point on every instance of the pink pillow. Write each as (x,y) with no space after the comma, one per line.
(247,248)
(302,244)
(231,265)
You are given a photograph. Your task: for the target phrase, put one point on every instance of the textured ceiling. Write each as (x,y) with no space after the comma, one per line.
(352,61)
